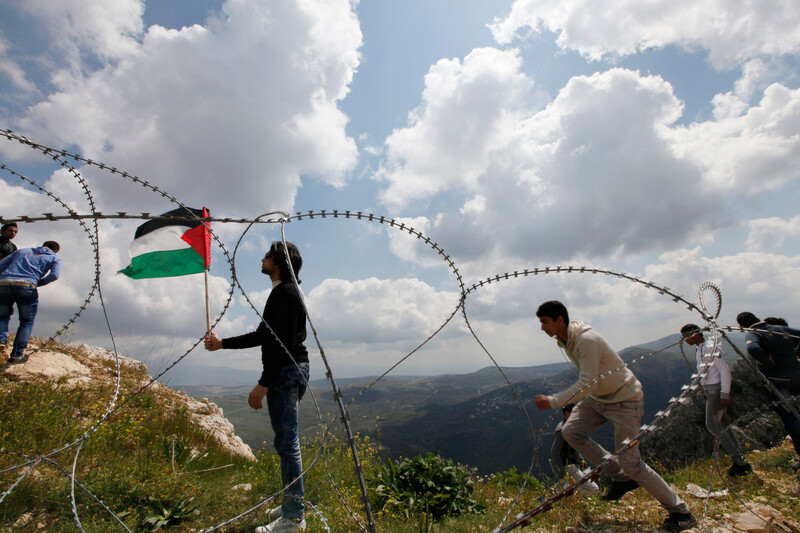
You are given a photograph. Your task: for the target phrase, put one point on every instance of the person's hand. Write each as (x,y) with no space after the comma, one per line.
(256,396)
(212,342)
(724,403)
(542,402)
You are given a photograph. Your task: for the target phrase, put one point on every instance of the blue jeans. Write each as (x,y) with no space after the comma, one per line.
(27,300)
(283,402)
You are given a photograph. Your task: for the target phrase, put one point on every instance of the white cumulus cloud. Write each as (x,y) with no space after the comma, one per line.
(731,31)
(234,110)
(591,174)
(771,232)
(83,29)
(465,116)
(751,150)
(379,311)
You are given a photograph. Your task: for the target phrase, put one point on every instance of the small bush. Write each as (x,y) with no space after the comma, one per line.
(430,485)
(510,479)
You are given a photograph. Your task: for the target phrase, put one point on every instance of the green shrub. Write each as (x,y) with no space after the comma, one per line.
(510,479)
(430,485)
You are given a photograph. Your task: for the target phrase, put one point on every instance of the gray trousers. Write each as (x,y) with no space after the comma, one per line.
(717,421)
(626,418)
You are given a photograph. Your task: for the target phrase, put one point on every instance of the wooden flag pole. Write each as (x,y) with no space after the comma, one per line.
(208,313)
(207,259)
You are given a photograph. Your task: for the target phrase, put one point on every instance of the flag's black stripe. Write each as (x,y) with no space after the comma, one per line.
(185,213)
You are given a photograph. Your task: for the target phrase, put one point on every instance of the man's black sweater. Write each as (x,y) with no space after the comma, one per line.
(286,317)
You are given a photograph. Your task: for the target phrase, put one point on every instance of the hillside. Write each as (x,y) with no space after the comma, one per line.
(495,421)
(471,413)
(384,406)
(152,460)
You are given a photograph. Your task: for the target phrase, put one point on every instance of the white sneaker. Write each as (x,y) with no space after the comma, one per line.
(283,525)
(575,474)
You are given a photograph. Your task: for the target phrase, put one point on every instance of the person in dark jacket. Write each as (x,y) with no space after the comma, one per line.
(776,321)
(284,377)
(566,459)
(774,349)
(20,275)
(7,234)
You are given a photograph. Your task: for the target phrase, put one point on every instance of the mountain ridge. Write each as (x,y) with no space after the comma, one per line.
(401,411)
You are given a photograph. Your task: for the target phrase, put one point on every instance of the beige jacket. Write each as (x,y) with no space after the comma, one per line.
(594,357)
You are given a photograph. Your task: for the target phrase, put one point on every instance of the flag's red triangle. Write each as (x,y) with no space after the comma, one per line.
(199,239)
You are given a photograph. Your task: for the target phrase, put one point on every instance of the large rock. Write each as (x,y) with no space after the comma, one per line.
(50,366)
(761,518)
(103,354)
(209,416)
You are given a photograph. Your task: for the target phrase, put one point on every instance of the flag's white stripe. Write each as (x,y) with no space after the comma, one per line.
(161,240)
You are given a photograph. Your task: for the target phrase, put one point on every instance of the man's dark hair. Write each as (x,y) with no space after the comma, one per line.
(553,309)
(279,258)
(746,319)
(690,330)
(53,245)
(775,321)
(9,225)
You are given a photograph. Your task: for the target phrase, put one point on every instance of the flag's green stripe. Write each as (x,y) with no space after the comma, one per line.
(165,264)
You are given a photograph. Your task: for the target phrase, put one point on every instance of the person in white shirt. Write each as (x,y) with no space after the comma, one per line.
(717,388)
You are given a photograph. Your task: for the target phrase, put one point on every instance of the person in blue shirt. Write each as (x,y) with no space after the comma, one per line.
(20,275)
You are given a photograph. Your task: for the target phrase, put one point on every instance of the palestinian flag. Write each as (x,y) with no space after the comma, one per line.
(168,247)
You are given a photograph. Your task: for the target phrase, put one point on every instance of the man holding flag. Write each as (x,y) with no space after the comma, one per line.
(283,381)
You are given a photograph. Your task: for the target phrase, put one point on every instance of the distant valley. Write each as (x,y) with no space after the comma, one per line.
(473,418)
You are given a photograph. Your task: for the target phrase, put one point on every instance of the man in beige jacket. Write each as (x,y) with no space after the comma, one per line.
(608,392)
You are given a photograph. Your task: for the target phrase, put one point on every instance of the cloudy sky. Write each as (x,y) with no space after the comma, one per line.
(660,139)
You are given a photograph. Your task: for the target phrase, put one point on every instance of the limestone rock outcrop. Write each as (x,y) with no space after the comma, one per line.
(90,363)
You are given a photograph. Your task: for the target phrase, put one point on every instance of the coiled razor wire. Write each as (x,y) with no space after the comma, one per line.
(337,393)
(111,409)
(521,520)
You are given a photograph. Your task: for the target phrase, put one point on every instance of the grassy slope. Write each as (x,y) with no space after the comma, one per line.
(139,464)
